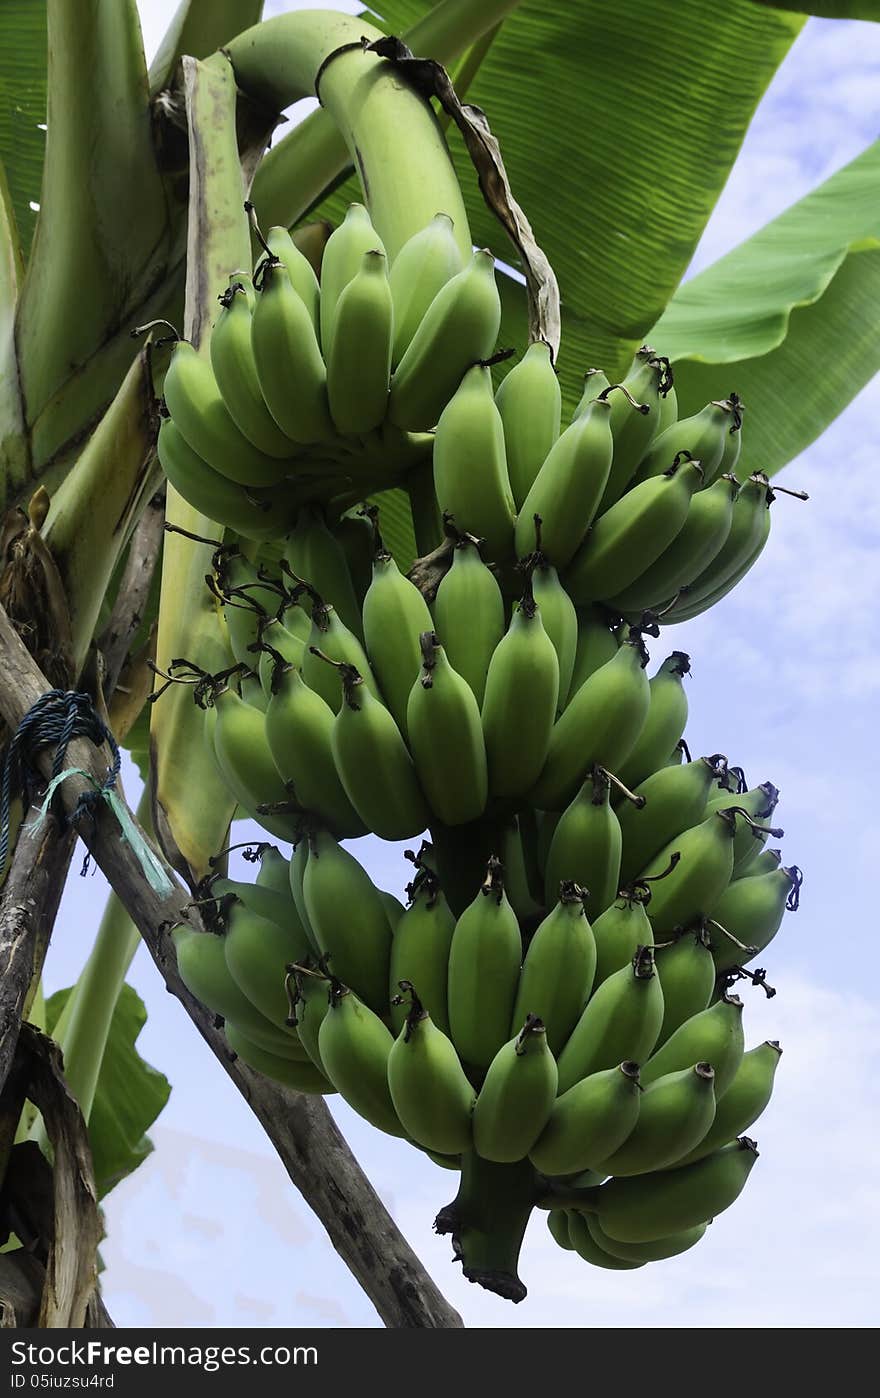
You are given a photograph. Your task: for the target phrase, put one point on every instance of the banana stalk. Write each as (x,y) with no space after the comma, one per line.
(192,807)
(390,131)
(14,452)
(298,171)
(102,241)
(92,514)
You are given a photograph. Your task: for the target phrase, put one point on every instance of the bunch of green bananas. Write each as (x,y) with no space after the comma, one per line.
(558,1018)
(323,391)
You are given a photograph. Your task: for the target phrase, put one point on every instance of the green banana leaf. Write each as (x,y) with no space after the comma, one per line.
(23,107)
(129,1096)
(619,125)
(788,318)
(829,9)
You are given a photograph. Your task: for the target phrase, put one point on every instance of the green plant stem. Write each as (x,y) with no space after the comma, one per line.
(301,169)
(84,1024)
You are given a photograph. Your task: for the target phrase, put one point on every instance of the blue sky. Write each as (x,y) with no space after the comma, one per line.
(786,680)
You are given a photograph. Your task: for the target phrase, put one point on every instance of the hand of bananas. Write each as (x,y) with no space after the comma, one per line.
(561,1017)
(293,402)
(327,391)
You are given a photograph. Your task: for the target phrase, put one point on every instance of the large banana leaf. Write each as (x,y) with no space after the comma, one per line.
(788,318)
(129,1096)
(828,9)
(23,106)
(619,125)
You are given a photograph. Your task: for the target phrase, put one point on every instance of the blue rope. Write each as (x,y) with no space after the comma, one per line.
(57,717)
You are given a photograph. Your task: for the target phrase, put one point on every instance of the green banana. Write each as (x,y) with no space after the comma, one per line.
(668,410)
(600,725)
(202,965)
(232,360)
(251,691)
(253,513)
(299,269)
(700,875)
(648,378)
(519,871)
(516,1096)
(621,1021)
(293,379)
(355,1047)
(589,1121)
(420,949)
(529,400)
(759,803)
(262,902)
(200,415)
(302,1077)
(247,602)
(632,534)
(313,553)
(557,974)
(702,436)
(743,1102)
(446,738)
(687,978)
(650,1207)
(620,931)
(595,382)
(674,801)
(586,1247)
(765,862)
(425,263)
(299,732)
(470,468)
(356,537)
(749,531)
(429,1088)
(395,614)
(394,909)
(278,645)
(713,1036)
(699,542)
(257,953)
(311,1004)
(519,705)
(348,919)
(484,964)
(343,258)
(560,621)
(298,862)
(751,911)
(557,1222)
(655,1251)
(469,614)
(665,723)
(330,637)
(374,765)
(359,361)
(273,874)
(596,644)
(458,329)
(245,762)
(586,845)
(675,1113)
(564,497)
